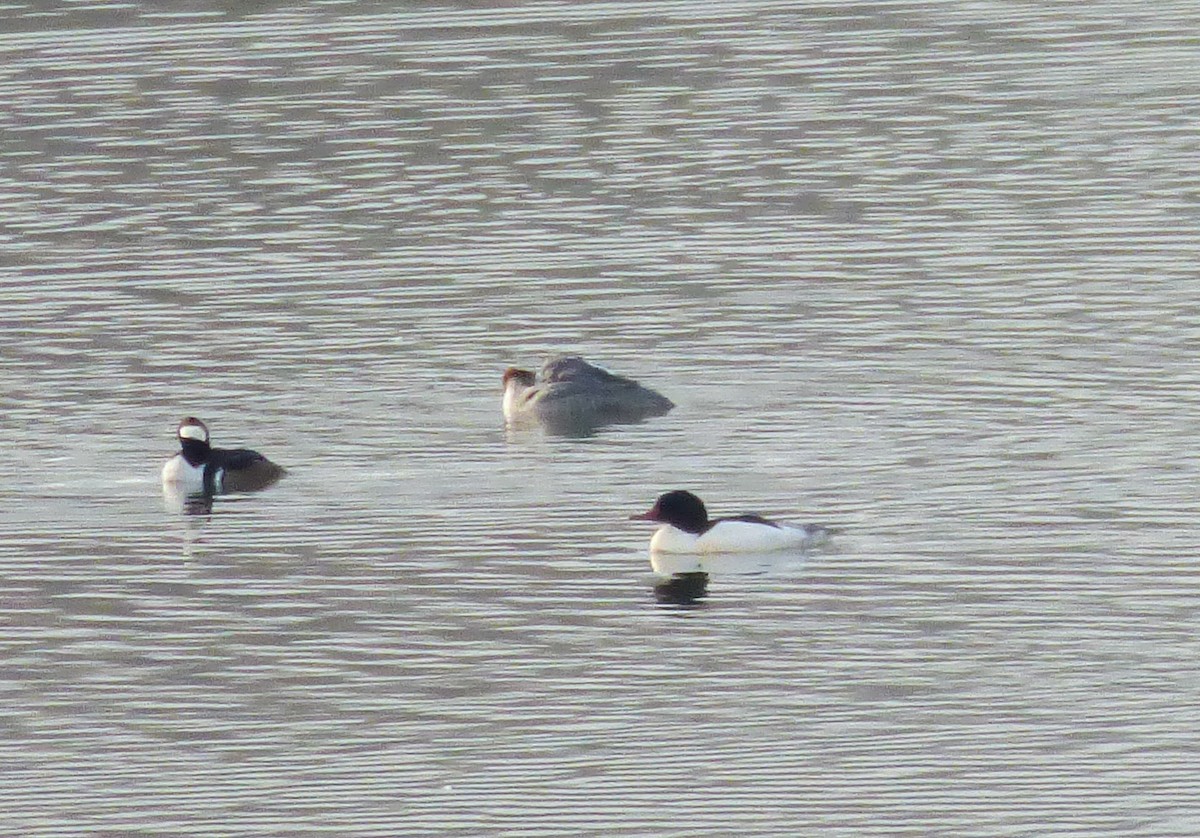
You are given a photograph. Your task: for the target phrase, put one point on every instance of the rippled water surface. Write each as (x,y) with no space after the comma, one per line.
(926,272)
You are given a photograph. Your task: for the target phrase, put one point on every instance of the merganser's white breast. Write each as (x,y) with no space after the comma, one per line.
(735,537)
(518,389)
(509,405)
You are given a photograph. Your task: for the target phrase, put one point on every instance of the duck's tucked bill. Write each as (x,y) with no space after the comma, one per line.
(572,396)
(688,529)
(200,469)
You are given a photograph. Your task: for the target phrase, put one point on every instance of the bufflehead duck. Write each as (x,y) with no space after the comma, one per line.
(572,395)
(688,529)
(199,468)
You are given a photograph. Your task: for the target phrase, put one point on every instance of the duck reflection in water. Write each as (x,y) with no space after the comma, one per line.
(571,397)
(178,501)
(682,589)
(682,579)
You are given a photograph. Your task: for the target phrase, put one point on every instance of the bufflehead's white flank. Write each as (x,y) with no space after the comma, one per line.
(199,468)
(571,394)
(688,529)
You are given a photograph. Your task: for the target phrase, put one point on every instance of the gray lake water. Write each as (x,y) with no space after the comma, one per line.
(926,272)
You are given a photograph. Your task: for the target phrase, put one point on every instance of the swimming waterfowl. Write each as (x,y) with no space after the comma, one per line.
(199,468)
(688,529)
(571,394)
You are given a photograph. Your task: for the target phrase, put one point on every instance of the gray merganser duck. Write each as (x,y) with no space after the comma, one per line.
(200,469)
(688,529)
(571,395)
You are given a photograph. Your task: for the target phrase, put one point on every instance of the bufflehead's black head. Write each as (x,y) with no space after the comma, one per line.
(193,440)
(192,428)
(523,377)
(680,509)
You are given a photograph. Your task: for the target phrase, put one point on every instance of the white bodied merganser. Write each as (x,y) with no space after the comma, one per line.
(199,469)
(689,529)
(572,395)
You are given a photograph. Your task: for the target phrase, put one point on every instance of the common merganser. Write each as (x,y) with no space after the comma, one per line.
(571,395)
(199,469)
(688,529)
